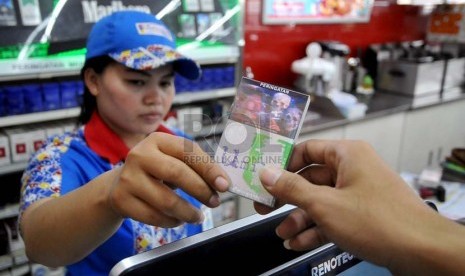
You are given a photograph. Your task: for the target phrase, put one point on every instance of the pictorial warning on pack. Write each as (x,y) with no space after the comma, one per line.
(261,130)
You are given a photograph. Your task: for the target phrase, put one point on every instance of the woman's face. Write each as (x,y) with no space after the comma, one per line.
(133,103)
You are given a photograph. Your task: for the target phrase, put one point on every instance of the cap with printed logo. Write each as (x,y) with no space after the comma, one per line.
(139,41)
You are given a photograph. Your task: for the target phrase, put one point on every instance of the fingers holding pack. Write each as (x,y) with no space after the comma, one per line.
(286,186)
(196,159)
(181,164)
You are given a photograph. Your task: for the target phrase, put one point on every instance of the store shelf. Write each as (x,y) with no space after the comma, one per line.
(189,97)
(9,211)
(52,67)
(211,55)
(6,261)
(181,98)
(39,117)
(11,168)
(40,68)
(206,131)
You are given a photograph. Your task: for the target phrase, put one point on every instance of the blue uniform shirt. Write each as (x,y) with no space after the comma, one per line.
(68,162)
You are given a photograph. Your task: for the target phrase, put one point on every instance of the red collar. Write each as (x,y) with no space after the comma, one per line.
(105,142)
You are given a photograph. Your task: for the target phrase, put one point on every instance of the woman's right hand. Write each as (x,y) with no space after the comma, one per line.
(144,186)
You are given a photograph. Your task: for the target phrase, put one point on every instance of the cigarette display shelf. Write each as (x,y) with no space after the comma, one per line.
(220,61)
(9,211)
(191,97)
(37,117)
(11,168)
(61,66)
(182,98)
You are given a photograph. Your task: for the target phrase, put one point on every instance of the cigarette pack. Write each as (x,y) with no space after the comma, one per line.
(261,130)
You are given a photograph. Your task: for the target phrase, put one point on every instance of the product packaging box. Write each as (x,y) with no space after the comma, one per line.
(52,129)
(36,138)
(5,157)
(19,140)
(68,126)
(24,141)
(261,130)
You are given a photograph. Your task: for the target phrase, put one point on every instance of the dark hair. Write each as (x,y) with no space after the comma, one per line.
(89,103)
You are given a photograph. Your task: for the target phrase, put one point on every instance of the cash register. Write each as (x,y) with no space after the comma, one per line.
(248,246)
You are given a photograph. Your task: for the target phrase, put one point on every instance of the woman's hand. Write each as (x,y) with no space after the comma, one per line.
(144,188)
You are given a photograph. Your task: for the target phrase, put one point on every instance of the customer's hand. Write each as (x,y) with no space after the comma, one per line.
(352,199)
(144,188)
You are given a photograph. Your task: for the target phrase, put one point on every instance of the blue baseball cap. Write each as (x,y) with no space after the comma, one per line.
(139,41)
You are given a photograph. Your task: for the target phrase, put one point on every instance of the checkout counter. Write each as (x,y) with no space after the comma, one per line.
(248,246)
